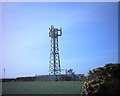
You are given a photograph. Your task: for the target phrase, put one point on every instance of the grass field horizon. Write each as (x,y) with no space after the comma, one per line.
(42,87)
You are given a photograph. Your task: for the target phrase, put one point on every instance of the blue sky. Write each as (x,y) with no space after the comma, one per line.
(89,40)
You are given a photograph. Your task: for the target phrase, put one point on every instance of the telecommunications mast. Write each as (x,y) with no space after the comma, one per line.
(54,63)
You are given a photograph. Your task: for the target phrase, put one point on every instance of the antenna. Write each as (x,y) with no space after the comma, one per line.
(54,63)
(4,72)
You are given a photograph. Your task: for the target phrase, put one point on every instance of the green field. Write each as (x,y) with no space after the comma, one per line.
(42,87)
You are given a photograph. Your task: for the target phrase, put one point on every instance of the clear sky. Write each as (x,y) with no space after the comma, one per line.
(89,40)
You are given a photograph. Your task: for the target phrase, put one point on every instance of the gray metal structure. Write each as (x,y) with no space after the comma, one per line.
(54,63)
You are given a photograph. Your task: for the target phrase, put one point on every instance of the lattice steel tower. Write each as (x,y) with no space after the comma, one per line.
(54,63)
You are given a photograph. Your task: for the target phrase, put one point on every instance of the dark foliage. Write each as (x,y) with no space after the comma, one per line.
(102,81)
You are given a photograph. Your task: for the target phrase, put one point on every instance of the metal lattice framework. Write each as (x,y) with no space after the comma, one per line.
(54,63)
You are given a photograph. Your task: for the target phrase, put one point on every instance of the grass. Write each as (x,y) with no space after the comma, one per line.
(42,87)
